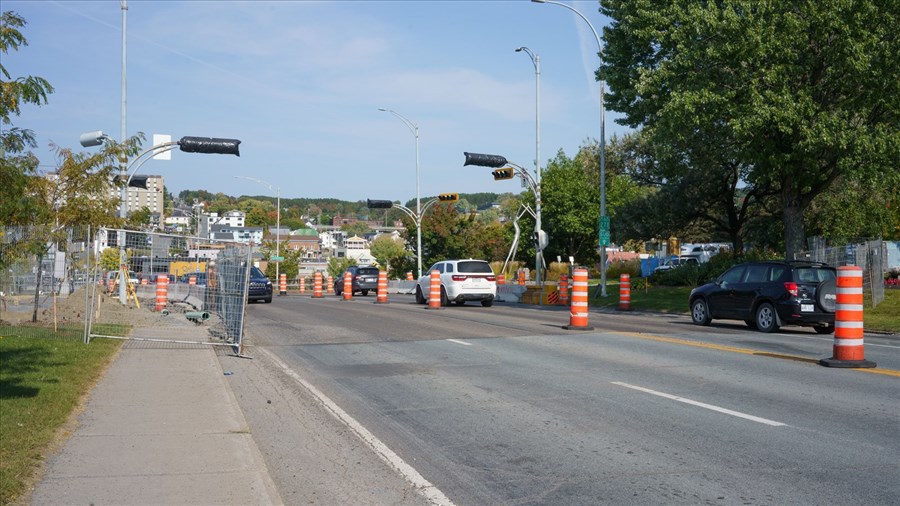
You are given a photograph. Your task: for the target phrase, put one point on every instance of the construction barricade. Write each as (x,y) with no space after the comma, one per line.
(848,350)
(578,311)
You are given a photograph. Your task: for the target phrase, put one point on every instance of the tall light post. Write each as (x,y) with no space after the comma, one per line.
(415,130)
(536,60)
(186,144)
(277,192)
(604,220)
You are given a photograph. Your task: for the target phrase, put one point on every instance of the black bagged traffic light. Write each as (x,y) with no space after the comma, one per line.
(135,182)
(209,145)
(448,197)
(483,160)
(379,204)
(505,173)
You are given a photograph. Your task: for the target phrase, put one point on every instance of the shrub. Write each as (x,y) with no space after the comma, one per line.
(631,267)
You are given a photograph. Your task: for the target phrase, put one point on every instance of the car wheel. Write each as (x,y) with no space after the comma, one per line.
(444,300)
(365,292)
(700,312)
(487,302)
(268,300)
(419,298)
(827,329)
(766,318)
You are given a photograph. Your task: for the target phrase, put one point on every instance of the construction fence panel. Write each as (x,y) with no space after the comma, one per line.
(871,256)
(166,287)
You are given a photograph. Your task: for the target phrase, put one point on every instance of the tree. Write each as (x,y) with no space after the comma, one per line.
(389,253)
(803,93)
(356,228)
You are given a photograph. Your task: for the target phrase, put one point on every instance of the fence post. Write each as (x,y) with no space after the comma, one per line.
(578,311)
(848,350)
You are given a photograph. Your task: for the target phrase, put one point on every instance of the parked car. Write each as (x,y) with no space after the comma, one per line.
(767,295)
(677,262)
(260,286)
(461,281)
(364,279)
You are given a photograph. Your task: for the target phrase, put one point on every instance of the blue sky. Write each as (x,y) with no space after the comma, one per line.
(300,84)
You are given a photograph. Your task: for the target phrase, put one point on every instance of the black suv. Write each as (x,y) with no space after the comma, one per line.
(260,286)
(767,295)
(364,280)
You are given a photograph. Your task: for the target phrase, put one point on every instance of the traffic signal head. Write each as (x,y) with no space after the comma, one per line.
(448,197)
(136,181)
(209,145)
(379,204)
(483,160)
(504,173)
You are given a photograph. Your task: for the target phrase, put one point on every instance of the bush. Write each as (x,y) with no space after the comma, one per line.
(695,275)
(631,267)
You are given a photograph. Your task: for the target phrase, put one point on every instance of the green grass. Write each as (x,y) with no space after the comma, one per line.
(43,377)
(674,299)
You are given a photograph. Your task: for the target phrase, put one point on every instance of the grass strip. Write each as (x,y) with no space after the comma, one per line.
(43,377)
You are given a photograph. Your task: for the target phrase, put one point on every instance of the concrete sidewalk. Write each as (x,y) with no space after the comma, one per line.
(161,427)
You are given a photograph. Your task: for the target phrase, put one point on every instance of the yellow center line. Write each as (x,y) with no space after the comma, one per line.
(745,351)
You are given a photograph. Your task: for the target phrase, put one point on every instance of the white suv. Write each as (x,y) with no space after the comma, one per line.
(461,281)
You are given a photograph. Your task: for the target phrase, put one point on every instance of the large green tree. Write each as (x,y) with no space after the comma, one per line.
(804,92)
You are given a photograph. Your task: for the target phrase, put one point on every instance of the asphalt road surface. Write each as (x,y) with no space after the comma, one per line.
(364,403)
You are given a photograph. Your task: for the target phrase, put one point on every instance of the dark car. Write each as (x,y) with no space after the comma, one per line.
(364,279)
(260,286)
(767,295)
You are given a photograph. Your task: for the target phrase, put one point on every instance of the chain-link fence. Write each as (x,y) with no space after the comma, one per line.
(124,284)
(870,255)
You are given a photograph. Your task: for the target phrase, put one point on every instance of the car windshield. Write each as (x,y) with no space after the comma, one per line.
(813,274)
(256,272)
(474,267)
(368,271)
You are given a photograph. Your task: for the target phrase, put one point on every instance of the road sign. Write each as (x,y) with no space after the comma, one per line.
(276,259)
(604,230)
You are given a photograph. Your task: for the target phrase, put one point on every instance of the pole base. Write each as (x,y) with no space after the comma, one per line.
(847,364)
(577,327)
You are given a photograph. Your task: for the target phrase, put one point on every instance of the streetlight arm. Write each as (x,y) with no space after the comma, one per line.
(579,15)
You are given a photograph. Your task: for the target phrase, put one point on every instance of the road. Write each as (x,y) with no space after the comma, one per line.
(364,403)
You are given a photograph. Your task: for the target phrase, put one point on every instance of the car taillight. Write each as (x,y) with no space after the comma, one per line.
(491,278)
(792,289)
(458,277)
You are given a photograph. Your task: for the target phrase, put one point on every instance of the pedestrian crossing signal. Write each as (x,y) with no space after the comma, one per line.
(448,197)
(504,173)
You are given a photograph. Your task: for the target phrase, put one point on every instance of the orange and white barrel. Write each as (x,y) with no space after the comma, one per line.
(302,285)
(624,292)
(143,281)
(564,290)
(382,288)
(501,279)
(578,311)
(317,286)
(409,276)
(348,286)
(162,291)
(192,281)
(521,277)
(329,287)
(434,290)
(848,349)
(282,284)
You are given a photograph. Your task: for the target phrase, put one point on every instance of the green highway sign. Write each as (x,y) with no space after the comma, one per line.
(604,230)
(276,259)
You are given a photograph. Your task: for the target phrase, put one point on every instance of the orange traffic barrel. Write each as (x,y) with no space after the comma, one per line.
(348,286)
(578,311)
(192,281)
(624,292)
(162,291)
(409,276)
(317,286)
(848,350)
(143,281)
(282,284)
(434,291)
(302,285)
(564,290)
(329,287)
(501,279)
(521,276)
(382,288)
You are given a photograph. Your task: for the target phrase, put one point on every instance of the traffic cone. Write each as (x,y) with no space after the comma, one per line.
(382,288)
(348,286)
(317,286)
(848,350)
(578,312)
(434,291)
(624,292)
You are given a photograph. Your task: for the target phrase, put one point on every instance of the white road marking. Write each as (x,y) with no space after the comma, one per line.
(702,405)
(459,342)
(423,486)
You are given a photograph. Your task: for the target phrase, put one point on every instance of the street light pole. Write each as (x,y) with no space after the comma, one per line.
(415,130)
(602,140)
(538,250)
(277,222)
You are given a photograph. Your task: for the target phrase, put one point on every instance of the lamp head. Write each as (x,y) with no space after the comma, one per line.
(538,1)
(382,109)
(519,49)
(95,138)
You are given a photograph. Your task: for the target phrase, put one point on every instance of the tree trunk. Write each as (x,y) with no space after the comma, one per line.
(794,232)
(37,287)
